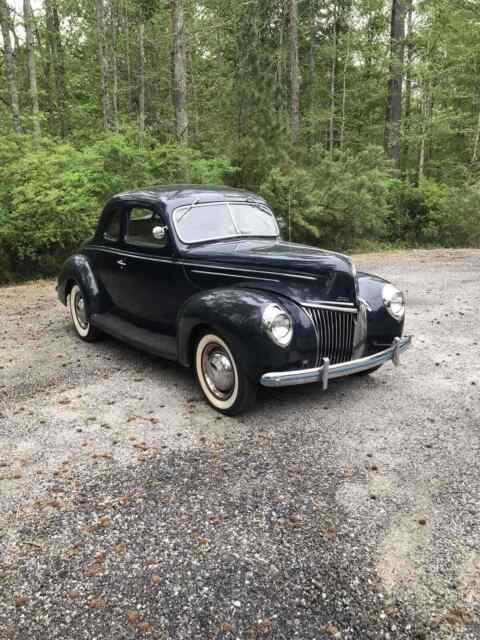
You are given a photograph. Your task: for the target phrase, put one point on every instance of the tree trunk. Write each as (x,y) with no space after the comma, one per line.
(126,22)
(195,129)
(294,72)
(13,28)
(114,31)
(408,83)
(55,44)
(9,65)
(141,100)
(32,70)
(393,119)
(477,141)
(427,105)
(312,47)
(421,161)
(48,73)
(333,82)
(312,66)
(102,61)
(179,72)
(344,93)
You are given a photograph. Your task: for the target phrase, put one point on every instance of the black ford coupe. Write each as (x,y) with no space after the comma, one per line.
(200,275)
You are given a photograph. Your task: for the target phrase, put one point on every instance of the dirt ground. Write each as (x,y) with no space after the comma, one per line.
(129,508)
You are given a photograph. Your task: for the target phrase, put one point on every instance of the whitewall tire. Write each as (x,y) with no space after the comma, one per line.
(78,306)
(220,376)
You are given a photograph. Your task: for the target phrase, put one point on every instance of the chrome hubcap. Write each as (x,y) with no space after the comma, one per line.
(80,310)
(218,371)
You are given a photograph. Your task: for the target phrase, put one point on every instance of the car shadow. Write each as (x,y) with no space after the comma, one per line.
(269,400)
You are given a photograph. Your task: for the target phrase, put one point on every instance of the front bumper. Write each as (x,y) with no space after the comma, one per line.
(328,371)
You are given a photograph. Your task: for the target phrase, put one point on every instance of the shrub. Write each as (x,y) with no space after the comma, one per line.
(454,219)
(435,214)
(338,202)
(51,194)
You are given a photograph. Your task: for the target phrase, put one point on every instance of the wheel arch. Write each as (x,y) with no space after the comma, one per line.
(69,286)
(77,269)
(235,313)
(196,333)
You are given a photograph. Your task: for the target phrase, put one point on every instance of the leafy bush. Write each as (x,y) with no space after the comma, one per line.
(352,202)
(454,220)
(51,194)
(435,214)
(336,202)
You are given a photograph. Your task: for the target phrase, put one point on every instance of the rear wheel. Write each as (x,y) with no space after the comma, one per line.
(220,376)
(78,305)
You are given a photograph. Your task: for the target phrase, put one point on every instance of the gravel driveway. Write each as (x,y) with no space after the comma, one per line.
(129,509)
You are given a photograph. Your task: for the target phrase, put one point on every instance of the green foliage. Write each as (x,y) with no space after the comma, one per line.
(453,218)
(333,188)
(435,214)
(52,194)
(351,202)
(337,202)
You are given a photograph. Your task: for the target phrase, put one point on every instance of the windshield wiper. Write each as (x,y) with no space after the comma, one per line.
(187,211)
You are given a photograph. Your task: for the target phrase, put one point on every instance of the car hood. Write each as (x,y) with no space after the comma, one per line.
(300,272)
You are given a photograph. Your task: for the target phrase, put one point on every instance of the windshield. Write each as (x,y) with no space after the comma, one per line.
(216,221)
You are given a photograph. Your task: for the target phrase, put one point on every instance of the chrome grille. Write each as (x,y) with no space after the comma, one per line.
(335,333)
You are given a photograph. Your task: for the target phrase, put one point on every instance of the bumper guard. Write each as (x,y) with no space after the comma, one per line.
(328,371)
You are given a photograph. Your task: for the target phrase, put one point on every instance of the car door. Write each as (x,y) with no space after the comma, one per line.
(153,283)
(108,256)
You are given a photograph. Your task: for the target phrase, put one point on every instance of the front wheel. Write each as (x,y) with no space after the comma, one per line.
(78,305)
(224,384)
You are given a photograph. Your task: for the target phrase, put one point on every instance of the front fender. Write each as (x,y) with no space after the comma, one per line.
(77,268)
(236,313)
(382,328)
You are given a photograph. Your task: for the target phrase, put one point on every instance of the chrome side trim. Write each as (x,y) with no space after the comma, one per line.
(328,371)
(231,275)
(130,254)
(212,265)
(282,274)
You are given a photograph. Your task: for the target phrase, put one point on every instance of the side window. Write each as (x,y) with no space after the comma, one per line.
(113,227)
(141,226)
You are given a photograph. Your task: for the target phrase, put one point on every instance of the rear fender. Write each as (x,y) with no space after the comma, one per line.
(78,269)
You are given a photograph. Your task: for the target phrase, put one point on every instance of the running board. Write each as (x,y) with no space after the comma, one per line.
(155,343)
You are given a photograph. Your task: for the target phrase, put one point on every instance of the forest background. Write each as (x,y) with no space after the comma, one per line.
(359,120)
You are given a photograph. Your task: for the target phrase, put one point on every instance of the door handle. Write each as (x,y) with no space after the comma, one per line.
(122,263)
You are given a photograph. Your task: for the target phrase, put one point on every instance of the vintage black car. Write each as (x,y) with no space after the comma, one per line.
(200,275)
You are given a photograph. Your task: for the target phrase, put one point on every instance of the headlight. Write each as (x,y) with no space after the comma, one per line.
(278,325)
(394,301)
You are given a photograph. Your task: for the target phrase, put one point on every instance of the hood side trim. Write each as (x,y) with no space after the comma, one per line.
(231,275)
(282,274)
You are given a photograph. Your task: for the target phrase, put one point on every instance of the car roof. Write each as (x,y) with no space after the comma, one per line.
(174,196)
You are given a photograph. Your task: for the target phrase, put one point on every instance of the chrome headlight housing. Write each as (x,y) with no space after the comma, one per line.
(278,324)
(394,301)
